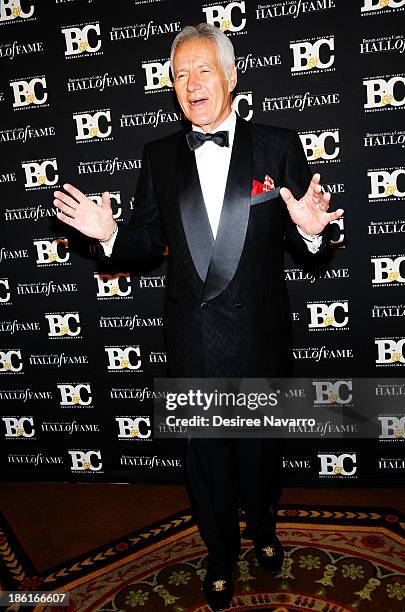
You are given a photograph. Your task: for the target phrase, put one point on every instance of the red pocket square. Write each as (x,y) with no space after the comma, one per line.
(258,187)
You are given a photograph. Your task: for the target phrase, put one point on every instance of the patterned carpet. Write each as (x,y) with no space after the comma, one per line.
(345,560)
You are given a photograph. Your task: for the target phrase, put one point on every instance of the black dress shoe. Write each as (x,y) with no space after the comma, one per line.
(270,554)
(218,591)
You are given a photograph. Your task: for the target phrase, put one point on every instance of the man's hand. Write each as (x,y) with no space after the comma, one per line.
(83,214)
(310,212)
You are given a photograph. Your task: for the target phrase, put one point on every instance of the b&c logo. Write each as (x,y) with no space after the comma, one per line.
(388,270)
(123,358)
(157,75)
(93,125)
(40,173)
(384,183)
(138,428)
(75,394)
(328,315)
(5,294)
(313,54)
(11,9)
(29,93)
(60,325)
(10,361)
(113,285)
(243,105)
(322,146)
(82,40)
(224,17)
(115,197)
(378,5)
(384,92)
(19,427)
(390,351)
(85,461)
(392,427)
(337,465)
(328,392)
(52,251)
(339,238)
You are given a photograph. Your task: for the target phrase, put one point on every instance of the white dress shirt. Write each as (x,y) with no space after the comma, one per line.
(213,166)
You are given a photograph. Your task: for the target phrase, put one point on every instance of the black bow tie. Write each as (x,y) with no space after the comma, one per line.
(196,139)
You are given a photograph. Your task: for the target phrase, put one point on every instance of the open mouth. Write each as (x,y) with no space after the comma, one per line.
(198,101)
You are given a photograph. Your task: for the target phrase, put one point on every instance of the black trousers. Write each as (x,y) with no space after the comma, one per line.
(220,474)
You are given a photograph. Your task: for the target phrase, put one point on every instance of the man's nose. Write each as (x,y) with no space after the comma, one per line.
(193,82)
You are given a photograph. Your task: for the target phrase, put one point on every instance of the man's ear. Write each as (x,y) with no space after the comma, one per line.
(232,79)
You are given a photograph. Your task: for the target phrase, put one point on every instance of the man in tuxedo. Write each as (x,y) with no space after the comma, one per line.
(226,198)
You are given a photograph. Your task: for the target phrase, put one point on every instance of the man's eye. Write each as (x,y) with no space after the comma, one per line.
(180,76)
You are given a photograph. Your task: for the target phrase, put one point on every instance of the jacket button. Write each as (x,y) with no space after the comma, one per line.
(238,305)
(204,305)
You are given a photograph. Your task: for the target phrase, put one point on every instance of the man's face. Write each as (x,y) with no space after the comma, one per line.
(202,88)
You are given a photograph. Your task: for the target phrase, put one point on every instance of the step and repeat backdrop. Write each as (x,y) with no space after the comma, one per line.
(84,84)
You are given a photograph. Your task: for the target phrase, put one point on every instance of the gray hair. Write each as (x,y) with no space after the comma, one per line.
(208,32)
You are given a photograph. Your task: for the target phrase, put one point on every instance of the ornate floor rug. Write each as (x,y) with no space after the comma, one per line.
(345,560)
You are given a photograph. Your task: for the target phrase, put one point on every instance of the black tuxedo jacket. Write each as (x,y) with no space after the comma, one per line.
(226,303)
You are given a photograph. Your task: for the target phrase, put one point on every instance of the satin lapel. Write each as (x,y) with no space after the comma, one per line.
(234,215)
(194,216)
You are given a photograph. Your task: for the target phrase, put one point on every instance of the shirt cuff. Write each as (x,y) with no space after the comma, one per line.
(313,242)
(109,245)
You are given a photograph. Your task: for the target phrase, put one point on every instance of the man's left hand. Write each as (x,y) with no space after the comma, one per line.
(310,213)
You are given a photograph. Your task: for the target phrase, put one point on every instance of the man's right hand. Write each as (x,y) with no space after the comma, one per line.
(78,211)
